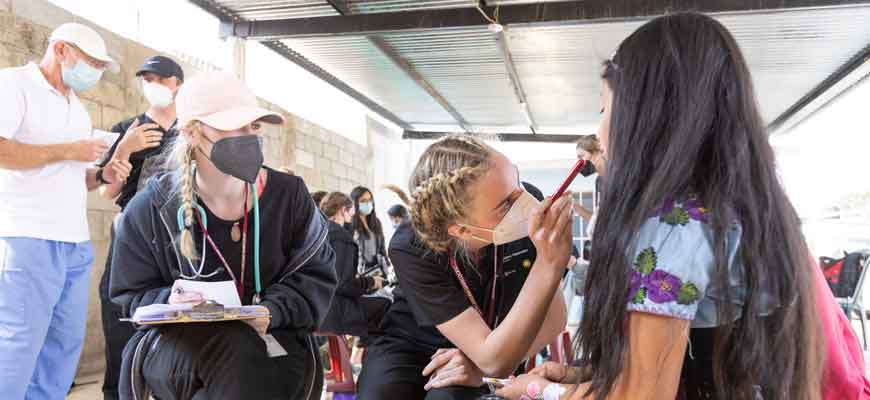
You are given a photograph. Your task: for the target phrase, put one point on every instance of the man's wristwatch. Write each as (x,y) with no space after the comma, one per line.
(100,177)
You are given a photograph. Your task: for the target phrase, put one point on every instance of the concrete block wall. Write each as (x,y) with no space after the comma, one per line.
(323,158)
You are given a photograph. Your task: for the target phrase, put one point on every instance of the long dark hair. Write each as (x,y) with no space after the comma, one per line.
(372,220)
(685,121)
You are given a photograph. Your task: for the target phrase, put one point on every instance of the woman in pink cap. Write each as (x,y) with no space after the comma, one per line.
(202,221)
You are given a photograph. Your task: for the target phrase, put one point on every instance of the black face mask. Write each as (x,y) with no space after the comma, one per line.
(239,156)
(588,168)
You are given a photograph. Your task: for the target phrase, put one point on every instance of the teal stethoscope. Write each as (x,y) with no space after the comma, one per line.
(197,272)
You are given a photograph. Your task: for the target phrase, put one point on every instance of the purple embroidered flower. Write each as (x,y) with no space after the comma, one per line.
(661,286)
(636,280)
(666,208)
(695,209)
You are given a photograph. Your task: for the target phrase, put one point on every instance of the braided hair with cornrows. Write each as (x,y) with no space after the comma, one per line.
(439,186)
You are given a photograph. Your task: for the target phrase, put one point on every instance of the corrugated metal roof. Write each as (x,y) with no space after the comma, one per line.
(789,53)
(276,9)
(356,61)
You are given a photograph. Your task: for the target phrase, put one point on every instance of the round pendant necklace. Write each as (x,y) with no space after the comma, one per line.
(236,231)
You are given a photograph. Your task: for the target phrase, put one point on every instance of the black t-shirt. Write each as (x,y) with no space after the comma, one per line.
(151,161)
(430,294)
(278,219)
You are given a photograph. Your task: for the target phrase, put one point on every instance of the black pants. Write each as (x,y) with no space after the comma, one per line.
(393,369)
(224,361)
(115,333)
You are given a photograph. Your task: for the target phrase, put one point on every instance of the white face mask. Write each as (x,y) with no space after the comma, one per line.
(157,95)
(515,224)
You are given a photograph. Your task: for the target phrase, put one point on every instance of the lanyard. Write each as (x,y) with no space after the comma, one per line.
(240,282)
(459,276)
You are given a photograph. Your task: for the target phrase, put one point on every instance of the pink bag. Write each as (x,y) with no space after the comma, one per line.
(844,377)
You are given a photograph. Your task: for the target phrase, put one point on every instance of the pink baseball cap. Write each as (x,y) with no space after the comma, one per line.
(221,101)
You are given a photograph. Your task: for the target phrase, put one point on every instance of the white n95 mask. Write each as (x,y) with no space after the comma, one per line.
(515,224)
(157,95)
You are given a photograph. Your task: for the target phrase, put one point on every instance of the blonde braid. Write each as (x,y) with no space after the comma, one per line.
(184,156)
(440,187)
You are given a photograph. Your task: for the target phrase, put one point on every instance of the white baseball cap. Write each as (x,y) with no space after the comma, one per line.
(87,40)
(221,101)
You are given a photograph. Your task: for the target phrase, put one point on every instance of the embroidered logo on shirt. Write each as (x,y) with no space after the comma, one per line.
(527,264)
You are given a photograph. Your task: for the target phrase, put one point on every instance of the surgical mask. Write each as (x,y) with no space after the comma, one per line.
(157,95)
(515,224)
(238,156)
(81,76)
(366,208)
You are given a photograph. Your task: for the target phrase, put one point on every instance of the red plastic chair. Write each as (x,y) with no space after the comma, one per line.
(340,372)
(560,351)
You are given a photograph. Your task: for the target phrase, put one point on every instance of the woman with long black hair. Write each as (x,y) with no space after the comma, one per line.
(700,284)
(368,232)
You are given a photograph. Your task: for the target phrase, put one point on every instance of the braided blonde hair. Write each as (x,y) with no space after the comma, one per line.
(439,186)
(182,161)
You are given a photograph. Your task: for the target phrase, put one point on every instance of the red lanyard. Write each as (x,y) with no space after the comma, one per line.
(491,307)
(240,283)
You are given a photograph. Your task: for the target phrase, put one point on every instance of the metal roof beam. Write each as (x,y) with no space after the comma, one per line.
(418,78)
(508,60)
(564,12)
(227,17)
(388,51)
(503,137)
(340,6)
(855,62)
(313,68)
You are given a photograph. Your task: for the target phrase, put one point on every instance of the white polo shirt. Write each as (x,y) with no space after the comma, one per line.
(47,203)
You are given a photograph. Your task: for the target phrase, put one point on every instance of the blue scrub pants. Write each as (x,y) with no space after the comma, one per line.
(43,311)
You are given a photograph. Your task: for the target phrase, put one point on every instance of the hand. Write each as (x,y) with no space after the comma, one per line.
(180,296)
(378,282)
(550,231)
(140,137)
(88,150)
(117,171)
(450,367)
(261,325)
(518,387)
(554,372)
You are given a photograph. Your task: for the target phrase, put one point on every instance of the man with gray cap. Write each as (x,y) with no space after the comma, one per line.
(47,151)
(143,141)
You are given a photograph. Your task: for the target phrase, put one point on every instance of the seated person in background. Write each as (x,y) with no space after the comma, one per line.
(202,222)
(350,313)
(318,197)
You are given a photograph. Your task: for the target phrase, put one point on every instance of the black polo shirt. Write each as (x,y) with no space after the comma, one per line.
(151,161)
(430,294)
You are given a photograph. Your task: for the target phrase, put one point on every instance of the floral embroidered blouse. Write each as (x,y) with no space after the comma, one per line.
(673,265)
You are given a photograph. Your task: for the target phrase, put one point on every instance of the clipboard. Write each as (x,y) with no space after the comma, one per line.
(207,311)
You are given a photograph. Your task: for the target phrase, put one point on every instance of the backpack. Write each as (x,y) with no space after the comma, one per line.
(843,274)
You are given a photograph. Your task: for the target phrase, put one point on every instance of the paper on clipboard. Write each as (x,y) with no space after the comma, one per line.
(223,292)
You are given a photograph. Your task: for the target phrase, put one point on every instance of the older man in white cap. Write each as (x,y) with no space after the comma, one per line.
(47,154)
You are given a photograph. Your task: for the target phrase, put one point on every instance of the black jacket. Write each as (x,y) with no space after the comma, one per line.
(346,314)
(147,259)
